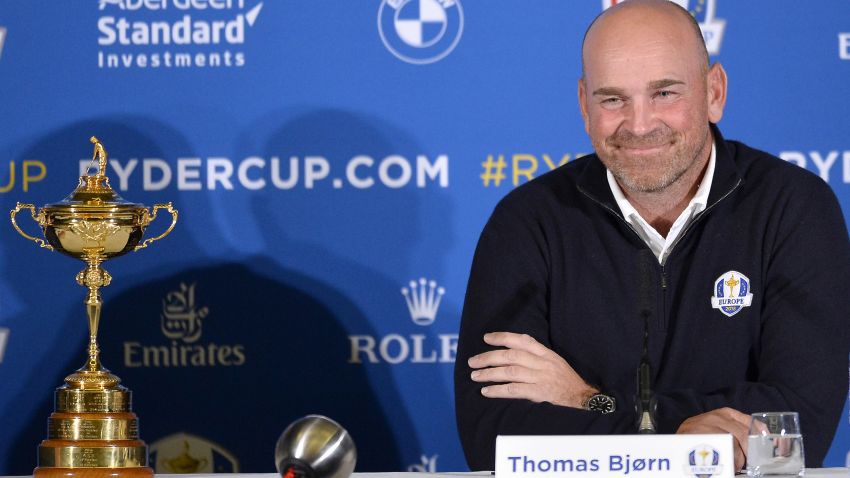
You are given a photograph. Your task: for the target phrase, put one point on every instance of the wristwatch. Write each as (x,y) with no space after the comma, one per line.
(601,403)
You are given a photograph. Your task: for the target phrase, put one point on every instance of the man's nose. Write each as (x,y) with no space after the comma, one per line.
(640,117)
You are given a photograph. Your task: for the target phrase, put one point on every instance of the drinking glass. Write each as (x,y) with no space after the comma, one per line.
(775,445)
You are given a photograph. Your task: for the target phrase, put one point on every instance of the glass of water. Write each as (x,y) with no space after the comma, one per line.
(775,445)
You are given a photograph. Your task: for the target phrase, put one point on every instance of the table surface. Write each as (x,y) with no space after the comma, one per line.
(810,473)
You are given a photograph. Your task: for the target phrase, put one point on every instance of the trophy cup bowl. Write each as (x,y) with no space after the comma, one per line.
(93,431)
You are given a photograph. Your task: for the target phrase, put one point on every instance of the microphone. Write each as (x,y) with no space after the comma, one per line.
(643,404)
(315,447)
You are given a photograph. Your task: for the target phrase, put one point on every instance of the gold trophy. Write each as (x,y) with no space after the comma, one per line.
(93,431)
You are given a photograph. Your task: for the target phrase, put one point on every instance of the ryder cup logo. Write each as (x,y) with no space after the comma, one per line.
(703,462)
(731,293)
(420,31)
(186,453)
(703,10)
(423,300)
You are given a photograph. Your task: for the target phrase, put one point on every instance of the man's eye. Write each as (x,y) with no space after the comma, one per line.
(665,95)
(612,102)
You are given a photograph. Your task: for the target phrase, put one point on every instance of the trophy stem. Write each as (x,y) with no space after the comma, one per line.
(93,375)
(93,305)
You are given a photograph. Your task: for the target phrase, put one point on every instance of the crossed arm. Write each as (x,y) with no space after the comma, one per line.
(525,369)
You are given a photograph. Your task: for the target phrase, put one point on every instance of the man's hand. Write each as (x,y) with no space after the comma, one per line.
(527,369)
(723,420)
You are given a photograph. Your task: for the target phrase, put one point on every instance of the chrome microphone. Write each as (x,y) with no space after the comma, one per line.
(315,447)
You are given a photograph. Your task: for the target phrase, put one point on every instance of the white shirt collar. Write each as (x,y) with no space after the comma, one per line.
(659,245)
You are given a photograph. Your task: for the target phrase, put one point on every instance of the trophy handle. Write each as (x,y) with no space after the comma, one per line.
(14,212)
(150,218)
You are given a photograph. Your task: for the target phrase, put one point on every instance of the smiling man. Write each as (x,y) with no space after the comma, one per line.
(732,262)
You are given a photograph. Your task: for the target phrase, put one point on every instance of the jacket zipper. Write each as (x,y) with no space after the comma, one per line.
(678,239)
(681,234)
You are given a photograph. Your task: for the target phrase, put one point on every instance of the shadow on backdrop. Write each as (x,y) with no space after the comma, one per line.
(233,353)
(366,242)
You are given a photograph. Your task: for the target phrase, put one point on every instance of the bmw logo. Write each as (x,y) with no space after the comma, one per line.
(420,31)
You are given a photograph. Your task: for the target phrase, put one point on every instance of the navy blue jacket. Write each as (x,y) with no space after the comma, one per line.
(557,260)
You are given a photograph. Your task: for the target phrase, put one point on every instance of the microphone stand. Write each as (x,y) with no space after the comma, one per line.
(646,421)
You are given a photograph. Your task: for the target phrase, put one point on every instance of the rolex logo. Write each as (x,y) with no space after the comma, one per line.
(423,300)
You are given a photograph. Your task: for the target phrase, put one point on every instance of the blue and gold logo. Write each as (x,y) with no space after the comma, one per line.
(731,293)
(420,31)
(186,453)
(703,462)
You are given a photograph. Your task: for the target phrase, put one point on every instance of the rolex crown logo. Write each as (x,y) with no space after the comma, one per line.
(423,300)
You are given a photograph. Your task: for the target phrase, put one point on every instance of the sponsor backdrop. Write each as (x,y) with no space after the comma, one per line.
(333,163)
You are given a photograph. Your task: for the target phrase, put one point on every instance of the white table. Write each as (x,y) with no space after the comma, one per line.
(810,473)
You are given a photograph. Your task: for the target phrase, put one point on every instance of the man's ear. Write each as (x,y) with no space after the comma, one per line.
(716,92)
(582,104)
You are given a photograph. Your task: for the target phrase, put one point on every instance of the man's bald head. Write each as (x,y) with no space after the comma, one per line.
(642,11)
(648,96)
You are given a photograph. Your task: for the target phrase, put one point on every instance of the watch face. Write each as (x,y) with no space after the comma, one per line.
(601,403)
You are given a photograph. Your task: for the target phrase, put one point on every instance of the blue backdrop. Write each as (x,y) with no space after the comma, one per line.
(333,163)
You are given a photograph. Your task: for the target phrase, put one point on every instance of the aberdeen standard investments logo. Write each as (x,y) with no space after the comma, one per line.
(420,31)
(703,10)
(423,302)
(181,323)
(174,33)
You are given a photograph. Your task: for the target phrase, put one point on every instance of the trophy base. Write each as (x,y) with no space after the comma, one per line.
(138,472)
(93,434)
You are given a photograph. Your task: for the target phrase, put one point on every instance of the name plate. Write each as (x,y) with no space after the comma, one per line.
(635,456)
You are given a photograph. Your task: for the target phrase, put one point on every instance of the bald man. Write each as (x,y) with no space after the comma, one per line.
(734,263)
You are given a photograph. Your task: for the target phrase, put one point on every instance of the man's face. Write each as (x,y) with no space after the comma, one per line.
(645,100)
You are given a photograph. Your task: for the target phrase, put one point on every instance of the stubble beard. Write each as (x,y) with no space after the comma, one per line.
(673,163)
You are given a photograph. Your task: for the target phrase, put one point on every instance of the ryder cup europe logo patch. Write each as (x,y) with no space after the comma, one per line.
(731,293)
(703,462)
(420,31)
